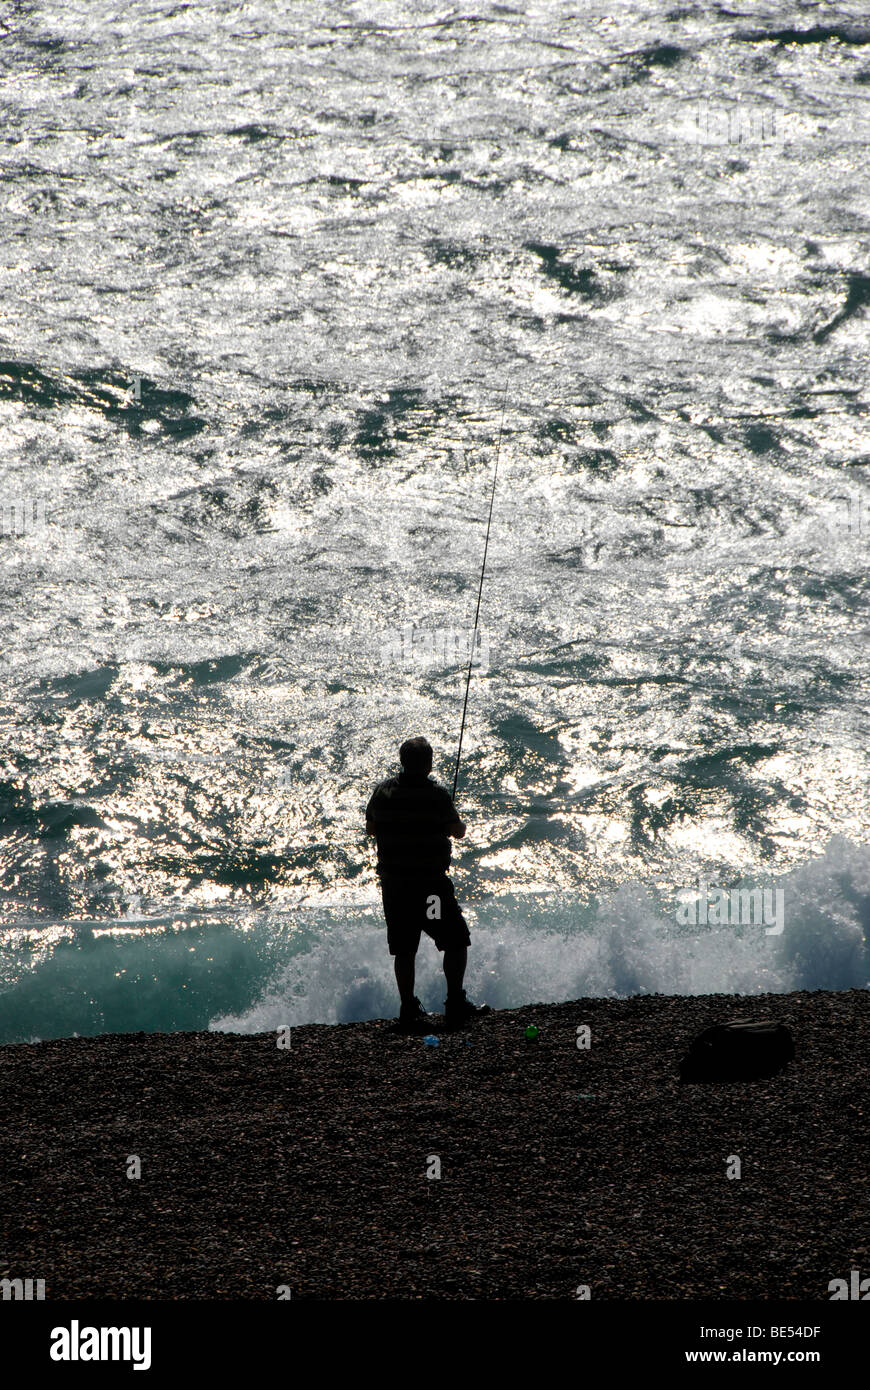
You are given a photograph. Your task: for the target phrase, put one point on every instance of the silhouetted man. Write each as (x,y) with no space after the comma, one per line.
(412,818)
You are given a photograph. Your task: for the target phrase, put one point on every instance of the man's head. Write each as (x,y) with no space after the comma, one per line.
(415,755)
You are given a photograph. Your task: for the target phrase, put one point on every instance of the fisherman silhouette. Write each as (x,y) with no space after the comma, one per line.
(412,818)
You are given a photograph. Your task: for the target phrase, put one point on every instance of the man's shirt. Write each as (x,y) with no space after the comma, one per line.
(411,814)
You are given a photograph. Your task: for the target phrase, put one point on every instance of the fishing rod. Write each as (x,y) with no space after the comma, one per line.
(480,588)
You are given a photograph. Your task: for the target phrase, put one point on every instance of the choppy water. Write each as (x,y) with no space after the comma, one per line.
(265,271)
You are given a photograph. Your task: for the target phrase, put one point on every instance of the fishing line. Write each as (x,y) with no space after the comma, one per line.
(480,588)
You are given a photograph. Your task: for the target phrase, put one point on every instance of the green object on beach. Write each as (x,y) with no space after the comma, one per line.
(531,1032)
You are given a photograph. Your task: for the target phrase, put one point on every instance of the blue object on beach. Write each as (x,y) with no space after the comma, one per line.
(430,1040)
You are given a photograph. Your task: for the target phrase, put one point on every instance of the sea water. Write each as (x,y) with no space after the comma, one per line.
(271,276)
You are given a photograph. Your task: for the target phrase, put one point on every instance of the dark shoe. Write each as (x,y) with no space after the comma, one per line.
(459,1012)
(413,1018)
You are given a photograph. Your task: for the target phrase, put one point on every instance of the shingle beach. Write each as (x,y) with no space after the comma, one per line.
(560,1167)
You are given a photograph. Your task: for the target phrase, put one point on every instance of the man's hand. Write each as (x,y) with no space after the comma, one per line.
(457,830)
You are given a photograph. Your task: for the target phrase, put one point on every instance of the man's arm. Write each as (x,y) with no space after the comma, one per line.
(454,827)
(370,820)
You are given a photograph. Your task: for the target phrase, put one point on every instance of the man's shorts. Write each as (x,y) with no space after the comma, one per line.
(410,907)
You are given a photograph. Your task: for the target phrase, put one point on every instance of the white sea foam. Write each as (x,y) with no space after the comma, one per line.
(547,950)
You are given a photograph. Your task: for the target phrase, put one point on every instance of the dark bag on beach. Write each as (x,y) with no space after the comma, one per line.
(739,1050)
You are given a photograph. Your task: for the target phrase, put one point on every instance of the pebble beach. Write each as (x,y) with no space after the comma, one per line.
(312,1171)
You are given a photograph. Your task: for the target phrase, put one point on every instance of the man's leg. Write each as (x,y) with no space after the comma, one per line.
(403,963)
(455,961)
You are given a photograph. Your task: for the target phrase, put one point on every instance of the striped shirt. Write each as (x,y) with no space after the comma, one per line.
(411,814)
